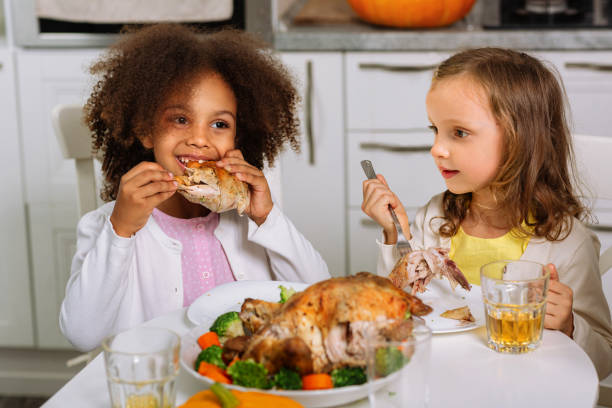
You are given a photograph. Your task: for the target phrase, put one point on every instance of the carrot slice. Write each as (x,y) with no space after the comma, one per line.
(208,339)
(233,361)
(317,382)
(213,372)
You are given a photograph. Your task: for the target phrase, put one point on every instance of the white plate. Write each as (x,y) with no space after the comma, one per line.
(228,297)
(441,298)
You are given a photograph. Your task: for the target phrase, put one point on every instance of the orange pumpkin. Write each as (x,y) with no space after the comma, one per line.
(411,13)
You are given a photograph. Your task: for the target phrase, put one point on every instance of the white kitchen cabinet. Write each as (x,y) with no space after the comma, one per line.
(47,78)
(15,299)
(313,181)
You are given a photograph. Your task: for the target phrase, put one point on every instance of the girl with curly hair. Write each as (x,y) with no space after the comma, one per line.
(503,146)
(169,97)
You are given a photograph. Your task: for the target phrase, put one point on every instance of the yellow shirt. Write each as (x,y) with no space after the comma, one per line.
(470,253)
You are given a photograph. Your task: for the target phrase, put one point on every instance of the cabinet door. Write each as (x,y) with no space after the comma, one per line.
(313,180)
(47,78)
(15,301)
(386,91)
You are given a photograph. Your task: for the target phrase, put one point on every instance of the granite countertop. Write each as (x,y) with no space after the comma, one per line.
(363,37)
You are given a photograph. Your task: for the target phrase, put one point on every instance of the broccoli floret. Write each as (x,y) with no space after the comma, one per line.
(248,373)
(285,294)
(341,377)
(389,360)
(210,355)
(227,326)
(287,379)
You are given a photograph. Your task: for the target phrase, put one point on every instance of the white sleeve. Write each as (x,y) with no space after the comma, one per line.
(97,285)
(387,258)
(292,257)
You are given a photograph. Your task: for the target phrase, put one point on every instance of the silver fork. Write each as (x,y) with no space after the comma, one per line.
(402,245)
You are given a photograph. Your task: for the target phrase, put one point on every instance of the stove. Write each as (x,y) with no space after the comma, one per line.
(547,14)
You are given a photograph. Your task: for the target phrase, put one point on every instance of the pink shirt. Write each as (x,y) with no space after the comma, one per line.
(203,260)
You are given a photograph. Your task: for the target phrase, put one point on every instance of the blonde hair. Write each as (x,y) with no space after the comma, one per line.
(533,183)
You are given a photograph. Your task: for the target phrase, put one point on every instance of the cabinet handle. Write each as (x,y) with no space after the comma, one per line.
(369,223)
(397,68)
(599,227)
(394,148)
(0,66)
(588,65)
(308,114)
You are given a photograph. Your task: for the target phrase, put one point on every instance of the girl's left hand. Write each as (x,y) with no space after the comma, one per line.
(260,204)
(559,314)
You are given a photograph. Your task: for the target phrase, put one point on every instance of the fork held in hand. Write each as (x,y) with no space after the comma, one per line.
(402,245)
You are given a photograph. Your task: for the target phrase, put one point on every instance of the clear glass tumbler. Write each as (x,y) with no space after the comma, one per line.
(514,294)
(141,367)
(398,370)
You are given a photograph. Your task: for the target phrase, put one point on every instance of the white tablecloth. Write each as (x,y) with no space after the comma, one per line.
(464,373)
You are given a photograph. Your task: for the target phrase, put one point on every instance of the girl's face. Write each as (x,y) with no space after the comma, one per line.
(200,125)
(468,140)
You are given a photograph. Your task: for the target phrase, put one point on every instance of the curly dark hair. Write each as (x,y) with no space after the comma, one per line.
(534,183)
(146,65)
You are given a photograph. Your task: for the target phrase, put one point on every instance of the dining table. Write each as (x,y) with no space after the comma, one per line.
(464,372)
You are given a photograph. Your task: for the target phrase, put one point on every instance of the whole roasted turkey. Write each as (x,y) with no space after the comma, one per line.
(326,326)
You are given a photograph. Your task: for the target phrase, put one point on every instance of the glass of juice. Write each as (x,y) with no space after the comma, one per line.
(141,367)
(514,294)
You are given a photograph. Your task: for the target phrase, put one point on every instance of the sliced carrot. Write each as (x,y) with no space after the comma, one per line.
(317,382)
(208,339)
(213,372)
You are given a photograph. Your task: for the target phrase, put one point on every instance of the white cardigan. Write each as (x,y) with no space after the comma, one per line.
(117,283)
(576,259)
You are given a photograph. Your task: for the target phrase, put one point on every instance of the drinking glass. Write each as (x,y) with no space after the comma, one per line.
(398,370)
(141,367)
(514,294)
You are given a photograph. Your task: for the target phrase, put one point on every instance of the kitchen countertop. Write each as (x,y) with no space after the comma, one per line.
(363,37)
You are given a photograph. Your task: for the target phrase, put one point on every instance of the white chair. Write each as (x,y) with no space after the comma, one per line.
(75,142)
(594,165)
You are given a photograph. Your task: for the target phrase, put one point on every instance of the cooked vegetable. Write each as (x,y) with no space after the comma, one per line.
(227,399)
(211,355)
(407,315)
(389,360)
(341,377)
(249,374)
(287,379)
(213,372)
(250,399)
(285,293)
(227,325)
(208,339)
(317,382)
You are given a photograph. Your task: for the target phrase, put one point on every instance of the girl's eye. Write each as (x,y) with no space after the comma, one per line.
(460,133)
(181,120)
(433,129)
(220,124)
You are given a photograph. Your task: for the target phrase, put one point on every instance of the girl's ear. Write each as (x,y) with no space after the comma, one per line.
(147,141)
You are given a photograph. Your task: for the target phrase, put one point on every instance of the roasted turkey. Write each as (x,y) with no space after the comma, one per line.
(417,268)
(213,187)
(326,325)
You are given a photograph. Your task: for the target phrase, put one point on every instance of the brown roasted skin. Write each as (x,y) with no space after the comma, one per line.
(332,318)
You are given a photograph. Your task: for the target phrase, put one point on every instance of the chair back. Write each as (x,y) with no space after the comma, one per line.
(594,165)
(74,139)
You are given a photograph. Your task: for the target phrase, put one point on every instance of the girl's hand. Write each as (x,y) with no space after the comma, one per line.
(260,204)
(141,189)
(376,200)
(559,314)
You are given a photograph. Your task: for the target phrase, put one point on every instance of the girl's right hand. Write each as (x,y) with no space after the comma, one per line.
(141,189)
(376,200)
